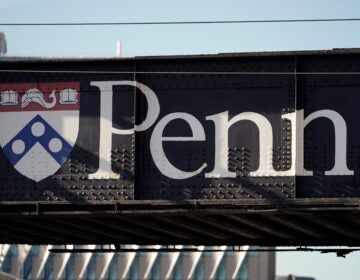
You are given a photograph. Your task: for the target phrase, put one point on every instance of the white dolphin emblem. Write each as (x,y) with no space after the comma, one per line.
(35,95)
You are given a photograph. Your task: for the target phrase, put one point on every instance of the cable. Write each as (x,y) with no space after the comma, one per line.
(180,22)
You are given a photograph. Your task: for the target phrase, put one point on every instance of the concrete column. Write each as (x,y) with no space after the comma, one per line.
(168,263)
(38,262)
(60,262)
(18,261)
(102,264)
(189,264)
(267,265)
(212,267)
(125,261)
(82,261)
(146,263)
(4,248)
(234,264)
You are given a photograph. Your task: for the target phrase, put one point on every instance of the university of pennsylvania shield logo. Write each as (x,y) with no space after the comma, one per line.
(39,124)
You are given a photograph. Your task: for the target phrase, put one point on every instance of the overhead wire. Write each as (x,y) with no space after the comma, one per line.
(178,22)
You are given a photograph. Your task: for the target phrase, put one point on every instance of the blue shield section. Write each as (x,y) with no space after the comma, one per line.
(27,138)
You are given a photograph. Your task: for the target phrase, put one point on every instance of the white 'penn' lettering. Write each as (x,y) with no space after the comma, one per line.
(222,125)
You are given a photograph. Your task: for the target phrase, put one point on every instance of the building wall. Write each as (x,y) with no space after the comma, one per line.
(36,262)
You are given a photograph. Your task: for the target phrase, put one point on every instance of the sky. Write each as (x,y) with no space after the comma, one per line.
(180,39)
(100,41)
(320,266)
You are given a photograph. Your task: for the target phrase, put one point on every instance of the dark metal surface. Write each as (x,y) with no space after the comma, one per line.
(145,206)
(295,222)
